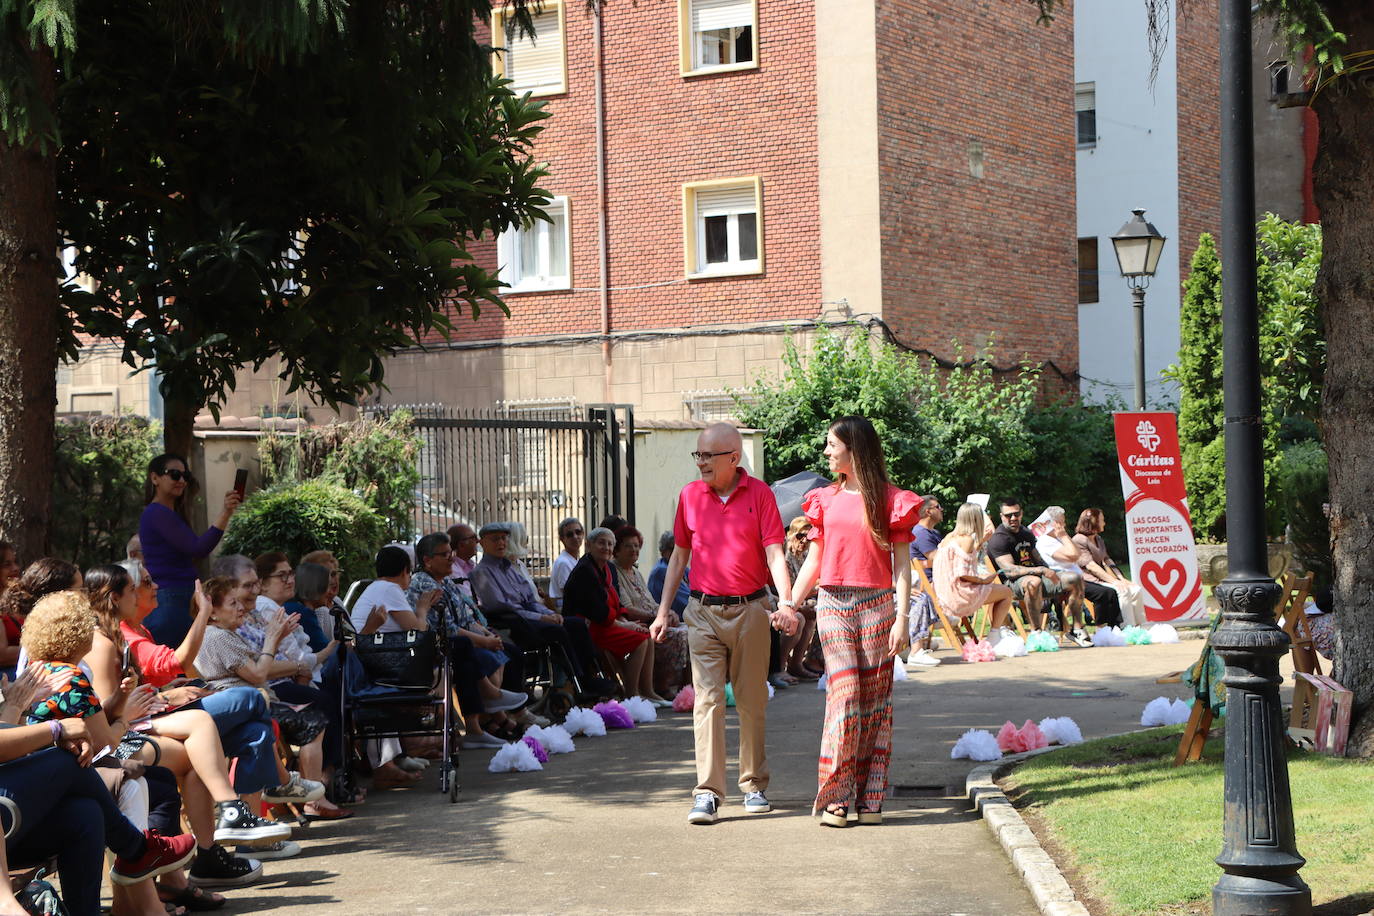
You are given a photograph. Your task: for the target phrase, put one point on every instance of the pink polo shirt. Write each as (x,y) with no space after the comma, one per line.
(727,539)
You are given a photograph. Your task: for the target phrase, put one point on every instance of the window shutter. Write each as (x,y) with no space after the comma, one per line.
(536,62)
(727,200)
(1085,97)
(708,15)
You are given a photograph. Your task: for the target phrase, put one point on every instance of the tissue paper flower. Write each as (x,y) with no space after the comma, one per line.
(1136,636)
(514,757)
(1108,636)
(1042,641)
(980,651)
(1163,634)
(1011,647)
(1030,737)
(820,684)
(729,694)
(1180,712)
(685,700)
(976,744)
(536,748)
(1163,711)
(641,710)
(899,670)
(770,689)
(1007,738)
(614,715)
(582,721)
(1062,730)
(553,738)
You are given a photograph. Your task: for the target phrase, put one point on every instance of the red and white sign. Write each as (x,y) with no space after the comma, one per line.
(1163,554)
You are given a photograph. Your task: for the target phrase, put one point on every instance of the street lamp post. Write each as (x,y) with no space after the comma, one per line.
(1259,855)
(1138,246)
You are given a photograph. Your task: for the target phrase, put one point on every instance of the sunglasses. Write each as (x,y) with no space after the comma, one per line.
(177,474)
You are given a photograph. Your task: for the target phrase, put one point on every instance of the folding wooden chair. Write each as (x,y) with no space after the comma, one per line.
(1292,617)
(1017,618)
(953,638)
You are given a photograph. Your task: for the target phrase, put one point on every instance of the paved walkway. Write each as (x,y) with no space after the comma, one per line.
(603,830)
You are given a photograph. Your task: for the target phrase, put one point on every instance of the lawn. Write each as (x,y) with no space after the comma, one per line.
(1138,836)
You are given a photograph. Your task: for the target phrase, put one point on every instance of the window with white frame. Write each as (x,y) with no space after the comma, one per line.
(534,63)
(1085,113)
(535,257)
(718,35)
(724,227)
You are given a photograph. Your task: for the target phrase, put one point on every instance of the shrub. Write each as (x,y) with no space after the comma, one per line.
(98,476)
(1305,490)
(317,514)
(373,456)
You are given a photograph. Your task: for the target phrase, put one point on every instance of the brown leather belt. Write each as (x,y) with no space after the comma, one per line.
(728,599)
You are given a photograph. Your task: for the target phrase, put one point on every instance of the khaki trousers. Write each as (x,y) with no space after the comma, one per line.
(729,642)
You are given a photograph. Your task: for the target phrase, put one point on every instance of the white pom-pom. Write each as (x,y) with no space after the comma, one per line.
(1157,712)
(899,670)
(976,744)
(1011,647)
(1061,730)
(771,691)
(514,757)
(583,721)
(820,684)
(553,738)
(640,709)
(1163,633)
(1179,712)
(1109,636)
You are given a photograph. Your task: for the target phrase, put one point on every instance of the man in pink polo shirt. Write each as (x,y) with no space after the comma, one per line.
(728,526)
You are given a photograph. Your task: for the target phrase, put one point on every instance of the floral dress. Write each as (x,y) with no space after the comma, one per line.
(958,597)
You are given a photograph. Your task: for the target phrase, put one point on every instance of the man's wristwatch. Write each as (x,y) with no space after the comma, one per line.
(787,602)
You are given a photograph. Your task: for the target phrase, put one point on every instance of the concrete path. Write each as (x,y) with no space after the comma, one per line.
(604,830)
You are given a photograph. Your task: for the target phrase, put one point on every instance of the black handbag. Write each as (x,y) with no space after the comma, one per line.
(404,660)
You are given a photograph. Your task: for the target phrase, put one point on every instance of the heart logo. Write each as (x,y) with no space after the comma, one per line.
(1164,581)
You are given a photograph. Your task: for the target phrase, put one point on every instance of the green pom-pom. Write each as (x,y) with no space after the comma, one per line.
(1136,636)
(1041,641)
(729,694)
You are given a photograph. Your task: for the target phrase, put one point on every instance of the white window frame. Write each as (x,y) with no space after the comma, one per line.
(694,228)
(1085,92)
(507,44)
(688,44)
(508,248)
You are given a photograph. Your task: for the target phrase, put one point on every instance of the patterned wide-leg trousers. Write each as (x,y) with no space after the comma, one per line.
(856,745)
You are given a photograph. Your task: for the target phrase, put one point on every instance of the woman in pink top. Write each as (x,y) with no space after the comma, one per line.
(961,580)
(860,527)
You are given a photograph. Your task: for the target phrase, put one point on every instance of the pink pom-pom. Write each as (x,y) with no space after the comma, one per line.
(539,753)
(1032,737)
(685,700)
(980,651)
(1007,738)
(614,715)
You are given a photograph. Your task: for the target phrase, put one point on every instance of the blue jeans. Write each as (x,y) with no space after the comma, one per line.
(170,621)
(245,730)
(66,811)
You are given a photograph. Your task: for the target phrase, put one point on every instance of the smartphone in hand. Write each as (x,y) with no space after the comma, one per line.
(241,481)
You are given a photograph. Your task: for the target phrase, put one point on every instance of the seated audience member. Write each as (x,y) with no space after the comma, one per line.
(463,540)
(666,543)
(925,540)
(134,549)
(961,582)
(1060,553)
(613,522)
(42,577)
(793,650)
(61,808)
(1011,547)
(508,600)
(325,613)
(590,593)
(1099,567)
(478,654)
(672,663)
(313,584)
(570,534)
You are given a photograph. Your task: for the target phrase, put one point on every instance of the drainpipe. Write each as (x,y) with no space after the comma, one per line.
(603,244)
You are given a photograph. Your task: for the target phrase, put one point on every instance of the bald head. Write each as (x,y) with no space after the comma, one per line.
(719,437)
(718,455)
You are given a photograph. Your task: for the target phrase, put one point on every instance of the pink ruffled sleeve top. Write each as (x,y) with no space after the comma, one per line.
(852,558)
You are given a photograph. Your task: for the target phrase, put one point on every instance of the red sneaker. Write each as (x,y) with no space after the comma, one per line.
(164,854)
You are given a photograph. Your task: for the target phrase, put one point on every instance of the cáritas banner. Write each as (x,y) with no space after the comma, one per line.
(1163,555)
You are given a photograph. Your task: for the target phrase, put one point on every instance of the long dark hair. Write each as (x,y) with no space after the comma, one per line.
(159,466)
(42,577)
(104,585)
(870,471)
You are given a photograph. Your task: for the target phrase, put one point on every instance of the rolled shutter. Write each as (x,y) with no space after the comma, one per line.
(708,15)
(536,62)
(726,200)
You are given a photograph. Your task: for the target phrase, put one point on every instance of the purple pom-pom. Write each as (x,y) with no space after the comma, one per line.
(539,753)
(614,715)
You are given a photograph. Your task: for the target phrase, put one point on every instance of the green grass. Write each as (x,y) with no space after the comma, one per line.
(1140,835)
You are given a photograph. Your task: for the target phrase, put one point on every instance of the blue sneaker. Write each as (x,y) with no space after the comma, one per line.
(756,803)
(704,811)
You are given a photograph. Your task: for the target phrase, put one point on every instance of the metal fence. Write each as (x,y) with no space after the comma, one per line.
(532,464)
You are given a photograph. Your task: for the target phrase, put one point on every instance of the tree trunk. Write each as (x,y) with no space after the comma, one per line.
(28,337)
(1343,183)
(178,425)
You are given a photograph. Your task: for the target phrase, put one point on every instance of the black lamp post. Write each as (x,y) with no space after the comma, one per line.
(1138,246)
(1259,854)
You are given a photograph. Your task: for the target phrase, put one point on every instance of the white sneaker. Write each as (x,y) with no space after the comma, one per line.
(283,850)
(924,658)
(411,764)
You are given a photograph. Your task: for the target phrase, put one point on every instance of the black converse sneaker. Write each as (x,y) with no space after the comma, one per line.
(234,823)
(217,867)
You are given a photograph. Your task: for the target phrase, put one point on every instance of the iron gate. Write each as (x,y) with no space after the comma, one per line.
(533,464)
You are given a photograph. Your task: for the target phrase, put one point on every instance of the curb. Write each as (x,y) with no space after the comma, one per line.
(1044,880)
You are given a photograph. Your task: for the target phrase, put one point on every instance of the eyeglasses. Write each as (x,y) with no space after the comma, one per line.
(707,456)
(1011,515)
(177,474)
(573,533)
(464,540)
(289,574)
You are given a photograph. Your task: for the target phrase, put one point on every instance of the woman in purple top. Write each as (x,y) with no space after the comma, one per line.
(171,547)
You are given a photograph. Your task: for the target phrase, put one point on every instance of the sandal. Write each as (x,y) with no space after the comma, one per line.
(870,817)
(835,816)
(193,898)
(314,812)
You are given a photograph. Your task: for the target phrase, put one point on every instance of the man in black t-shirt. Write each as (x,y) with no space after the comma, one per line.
(1012,549)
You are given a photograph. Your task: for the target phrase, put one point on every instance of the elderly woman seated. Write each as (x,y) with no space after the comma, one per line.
(591,593)
(672,664)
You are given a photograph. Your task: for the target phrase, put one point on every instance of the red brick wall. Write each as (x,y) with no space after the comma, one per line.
(1199,127)
(664,130)
(964,255)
